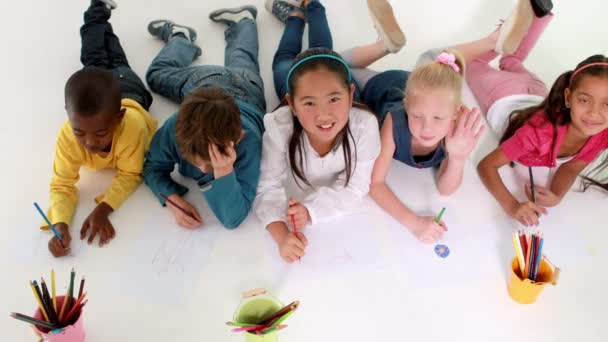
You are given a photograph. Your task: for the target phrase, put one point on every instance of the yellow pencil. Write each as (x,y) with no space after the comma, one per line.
(519,252)
(39,300)
(53,290)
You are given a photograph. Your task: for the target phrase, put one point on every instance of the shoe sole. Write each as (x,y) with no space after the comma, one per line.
(151,28)
(297,4)
(515,28)
(268,4)
(251,9)
(384,19)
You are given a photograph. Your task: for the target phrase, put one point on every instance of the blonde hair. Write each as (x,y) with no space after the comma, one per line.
(434,74)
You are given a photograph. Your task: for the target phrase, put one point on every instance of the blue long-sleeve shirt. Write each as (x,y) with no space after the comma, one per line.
(229,197)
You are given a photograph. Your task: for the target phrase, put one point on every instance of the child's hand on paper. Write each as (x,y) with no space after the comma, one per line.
(527,213)
(544,197)
(464,134)
(194,220)
(98,222)
(427,230)
(299,212)
(292,246)
(60,248)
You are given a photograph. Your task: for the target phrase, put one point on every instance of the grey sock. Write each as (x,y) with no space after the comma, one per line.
(362,76)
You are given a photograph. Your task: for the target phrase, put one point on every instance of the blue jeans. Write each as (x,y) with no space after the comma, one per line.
(172,75)
(290,46)
(101,48)
(384,92)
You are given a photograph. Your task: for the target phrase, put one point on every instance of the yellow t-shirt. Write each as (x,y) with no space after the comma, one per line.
(129,144)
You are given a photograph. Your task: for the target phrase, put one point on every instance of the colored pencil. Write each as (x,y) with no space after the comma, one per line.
(273,329)
(46,298)
(39,300)
(178,207)
(438,218)
(237,324)
(32,320)
(528,254)
(533,257)
(75,309)
(46,219)
(253,327)
(295,228)
(518,252)
(53,293)
(81,287)
(539,256)
(280,313)
(64,305)
(532,184)
(71,289)
(524,243)
(282,318)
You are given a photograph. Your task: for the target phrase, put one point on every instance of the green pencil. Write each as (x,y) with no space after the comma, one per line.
(71,290)
(438,218)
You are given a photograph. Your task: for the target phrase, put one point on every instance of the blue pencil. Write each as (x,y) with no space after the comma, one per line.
(46,219)
(539,257)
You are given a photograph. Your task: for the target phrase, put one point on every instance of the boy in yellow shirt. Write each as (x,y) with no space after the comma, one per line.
(108,127)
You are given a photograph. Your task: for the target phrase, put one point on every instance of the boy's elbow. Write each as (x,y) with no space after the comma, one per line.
(232,222)
(234,219)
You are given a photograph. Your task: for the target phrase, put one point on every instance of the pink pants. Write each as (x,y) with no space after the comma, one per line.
(489,84)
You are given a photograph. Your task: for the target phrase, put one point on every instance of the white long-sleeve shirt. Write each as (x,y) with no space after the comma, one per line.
(327,175)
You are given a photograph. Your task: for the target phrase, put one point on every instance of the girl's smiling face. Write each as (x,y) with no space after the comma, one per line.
(322,103)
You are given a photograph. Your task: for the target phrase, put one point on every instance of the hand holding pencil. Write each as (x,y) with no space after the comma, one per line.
(60,248)
(299,213)
(185,213)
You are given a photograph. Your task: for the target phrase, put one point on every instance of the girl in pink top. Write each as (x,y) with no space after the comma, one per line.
(538,127)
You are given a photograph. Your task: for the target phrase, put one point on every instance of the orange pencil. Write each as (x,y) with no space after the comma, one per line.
(64,305)
(75,309)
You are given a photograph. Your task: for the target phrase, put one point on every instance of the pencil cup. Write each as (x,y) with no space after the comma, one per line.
(74,332)
(255,309)
(526,291)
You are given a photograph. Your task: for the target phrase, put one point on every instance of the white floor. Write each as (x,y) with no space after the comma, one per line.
(40,49)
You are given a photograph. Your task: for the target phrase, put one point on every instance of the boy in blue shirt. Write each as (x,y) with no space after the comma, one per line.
(216,136)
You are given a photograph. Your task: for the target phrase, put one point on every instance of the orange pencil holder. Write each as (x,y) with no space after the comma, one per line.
(526,291)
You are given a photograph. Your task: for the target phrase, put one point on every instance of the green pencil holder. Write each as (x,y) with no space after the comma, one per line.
(257,305)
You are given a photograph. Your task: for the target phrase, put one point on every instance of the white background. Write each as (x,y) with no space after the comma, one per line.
(396,289)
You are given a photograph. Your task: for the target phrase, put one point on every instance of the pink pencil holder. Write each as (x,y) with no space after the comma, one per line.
(71,333)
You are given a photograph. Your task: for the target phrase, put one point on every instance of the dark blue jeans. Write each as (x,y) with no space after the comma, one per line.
(384,92)
(290,46)
(172,75)
(101,48)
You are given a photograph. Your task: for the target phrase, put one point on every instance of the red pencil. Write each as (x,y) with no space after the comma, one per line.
(77,306)
(178,207)
(295,228)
